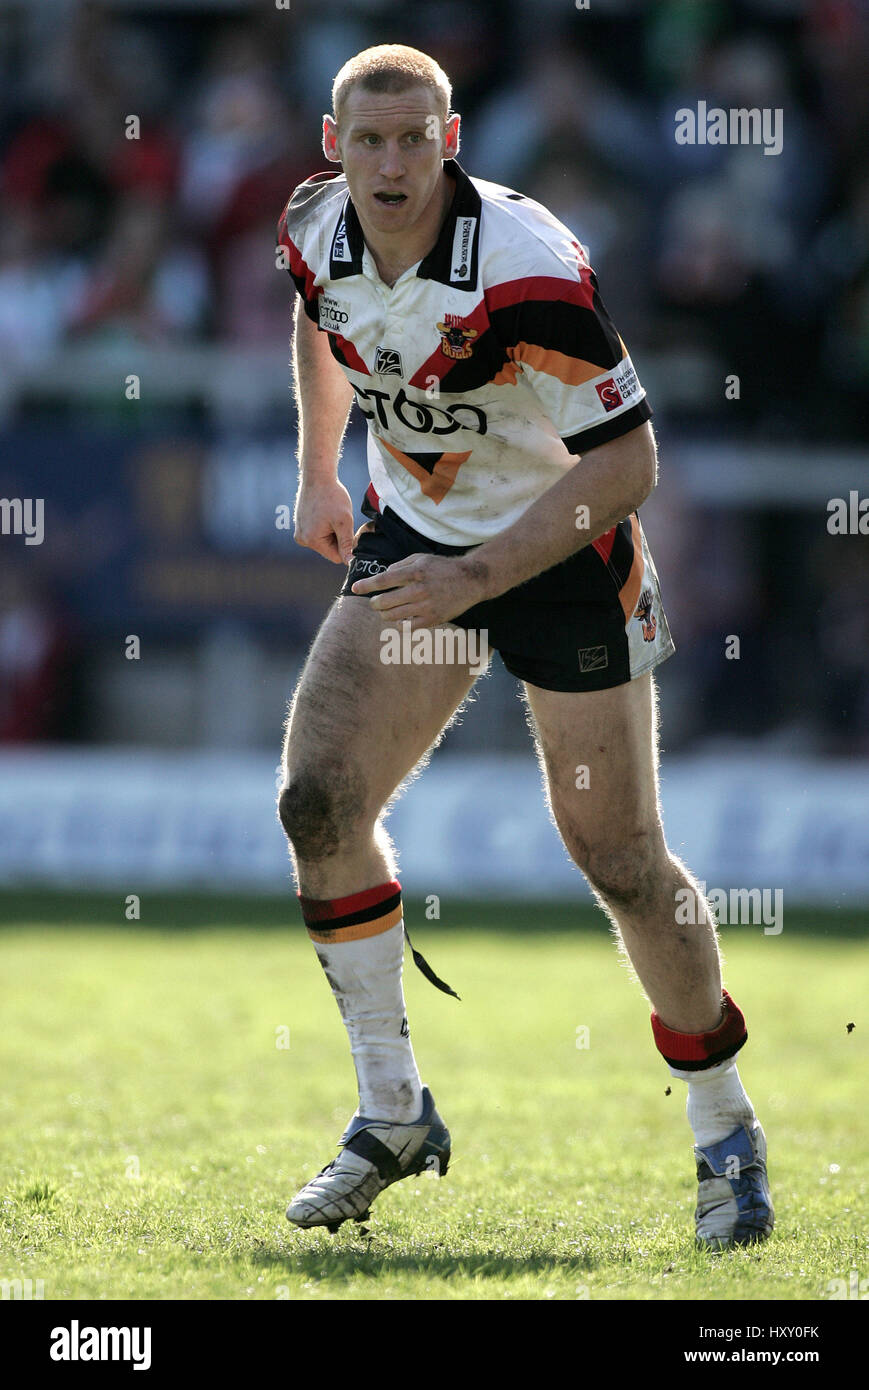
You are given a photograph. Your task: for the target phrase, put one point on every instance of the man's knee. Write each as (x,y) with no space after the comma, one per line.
(320,811)
(626,872)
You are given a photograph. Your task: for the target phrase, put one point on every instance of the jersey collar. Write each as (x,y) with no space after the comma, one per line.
(454,258)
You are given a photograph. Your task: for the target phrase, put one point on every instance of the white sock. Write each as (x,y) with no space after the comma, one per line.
(365,976)
(717,1102)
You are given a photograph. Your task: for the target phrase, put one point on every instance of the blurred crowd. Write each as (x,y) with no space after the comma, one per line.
(147,149)
(145,152)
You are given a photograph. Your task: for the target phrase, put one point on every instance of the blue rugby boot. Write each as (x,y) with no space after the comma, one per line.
(374,1154)
(733,1202)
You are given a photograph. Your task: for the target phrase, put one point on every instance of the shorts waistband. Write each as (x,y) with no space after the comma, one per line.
(437,547)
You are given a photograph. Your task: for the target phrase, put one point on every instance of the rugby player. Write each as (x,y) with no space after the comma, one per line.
(509,448)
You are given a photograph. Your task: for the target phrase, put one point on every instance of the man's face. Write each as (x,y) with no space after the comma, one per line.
(392,146)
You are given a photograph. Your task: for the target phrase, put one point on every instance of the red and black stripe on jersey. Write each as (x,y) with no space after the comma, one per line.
(345,353)
(560,328)
(301,273)
(557,315)
(566,323)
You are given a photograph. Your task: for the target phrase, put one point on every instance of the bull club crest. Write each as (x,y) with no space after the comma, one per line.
(456,339)
(646,616)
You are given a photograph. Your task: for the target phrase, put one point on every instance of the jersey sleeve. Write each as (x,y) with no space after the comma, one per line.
(295,225)
(554,328)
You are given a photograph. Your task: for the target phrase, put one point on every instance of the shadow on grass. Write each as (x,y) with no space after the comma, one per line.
(373,1257)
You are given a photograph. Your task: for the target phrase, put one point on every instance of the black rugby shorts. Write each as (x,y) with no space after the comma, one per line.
(592,622)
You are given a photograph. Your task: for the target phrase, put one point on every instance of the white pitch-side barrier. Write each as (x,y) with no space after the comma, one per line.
(132,819)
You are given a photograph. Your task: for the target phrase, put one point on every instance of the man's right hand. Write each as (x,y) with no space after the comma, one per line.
(324,520)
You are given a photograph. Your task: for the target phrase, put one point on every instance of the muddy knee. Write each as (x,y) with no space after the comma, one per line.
(319,811)
(624,874)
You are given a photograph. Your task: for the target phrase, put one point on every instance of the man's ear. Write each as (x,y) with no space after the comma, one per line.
(451,136)
(330,140)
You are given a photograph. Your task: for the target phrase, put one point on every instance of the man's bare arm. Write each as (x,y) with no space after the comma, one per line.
(324,511)
(610,481)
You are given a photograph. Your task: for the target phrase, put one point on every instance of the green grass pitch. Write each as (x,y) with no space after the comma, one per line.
(154,1124)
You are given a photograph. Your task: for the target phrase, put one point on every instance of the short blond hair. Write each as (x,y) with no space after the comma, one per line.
(391,67)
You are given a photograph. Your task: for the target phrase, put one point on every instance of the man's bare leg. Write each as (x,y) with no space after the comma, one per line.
(357,728)
(612,829)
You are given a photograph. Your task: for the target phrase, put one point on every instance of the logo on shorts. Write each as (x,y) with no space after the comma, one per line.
(363,567)
(610,395)
(456,338)
(593,658)
(387,362)
(647,617)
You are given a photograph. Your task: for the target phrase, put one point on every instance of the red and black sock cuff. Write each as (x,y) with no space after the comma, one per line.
(698,1051)
(350,919)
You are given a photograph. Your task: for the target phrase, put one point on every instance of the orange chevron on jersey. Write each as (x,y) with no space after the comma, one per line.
(435,480)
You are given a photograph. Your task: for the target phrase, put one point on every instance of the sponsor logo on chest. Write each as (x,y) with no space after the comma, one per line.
(334,313)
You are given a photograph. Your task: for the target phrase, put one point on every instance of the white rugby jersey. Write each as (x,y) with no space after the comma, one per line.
(483,369)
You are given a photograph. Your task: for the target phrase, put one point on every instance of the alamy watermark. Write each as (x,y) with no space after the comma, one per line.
(23,516)
(745,906)
(852,1288)
(21,1290)
(435,646)
(848,517)
(77,1343)
(712,125)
